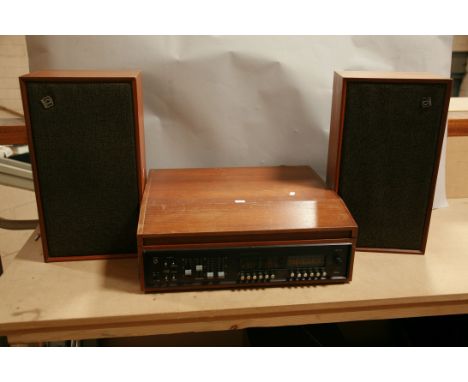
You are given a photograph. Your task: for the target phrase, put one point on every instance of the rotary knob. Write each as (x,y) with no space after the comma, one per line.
(292,275)
(248,277)
(242,277)
(267,276)
(260,276)
(254,277)
(299,275)
(338,259)
(324,274)
(272,276)
(305,275)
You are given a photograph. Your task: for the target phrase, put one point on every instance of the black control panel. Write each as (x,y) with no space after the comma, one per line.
(246,266)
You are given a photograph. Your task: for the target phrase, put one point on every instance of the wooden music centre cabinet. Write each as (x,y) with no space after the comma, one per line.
(242,227)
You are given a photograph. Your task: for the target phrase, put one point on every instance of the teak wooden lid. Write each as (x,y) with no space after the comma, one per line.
(240,200)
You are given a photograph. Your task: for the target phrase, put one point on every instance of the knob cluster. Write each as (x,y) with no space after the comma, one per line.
(256,277)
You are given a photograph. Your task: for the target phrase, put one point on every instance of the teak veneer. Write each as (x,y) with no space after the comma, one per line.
(235,207)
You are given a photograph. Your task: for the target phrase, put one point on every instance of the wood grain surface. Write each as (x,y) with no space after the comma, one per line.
(458,123)
(13,131)
(240,200)
(457,167)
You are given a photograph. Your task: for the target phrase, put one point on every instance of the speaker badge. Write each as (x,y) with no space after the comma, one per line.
(47,102)
(426,102)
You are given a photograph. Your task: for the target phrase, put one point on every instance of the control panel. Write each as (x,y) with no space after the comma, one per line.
(184,269)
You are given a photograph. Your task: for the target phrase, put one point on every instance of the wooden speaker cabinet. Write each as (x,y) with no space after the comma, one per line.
(86,139)
(385,142)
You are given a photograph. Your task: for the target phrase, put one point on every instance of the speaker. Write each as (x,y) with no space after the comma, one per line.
(385,141)
(86,139)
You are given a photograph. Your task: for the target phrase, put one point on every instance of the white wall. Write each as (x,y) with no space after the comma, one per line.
(239,101)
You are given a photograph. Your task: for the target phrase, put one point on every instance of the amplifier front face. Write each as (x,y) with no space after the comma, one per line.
(240,267)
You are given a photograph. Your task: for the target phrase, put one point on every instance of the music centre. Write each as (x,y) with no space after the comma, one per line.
(216,228)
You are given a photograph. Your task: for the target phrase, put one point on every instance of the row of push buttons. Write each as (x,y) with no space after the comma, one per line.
(307,275)
(256,277)
(209,275)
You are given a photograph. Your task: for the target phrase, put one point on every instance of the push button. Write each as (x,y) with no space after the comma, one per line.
(221,275)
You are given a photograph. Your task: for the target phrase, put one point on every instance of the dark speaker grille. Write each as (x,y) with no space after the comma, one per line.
(86,166)
(389,150)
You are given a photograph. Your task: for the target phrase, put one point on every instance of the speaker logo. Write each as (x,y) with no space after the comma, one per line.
(47,102)
(426,102)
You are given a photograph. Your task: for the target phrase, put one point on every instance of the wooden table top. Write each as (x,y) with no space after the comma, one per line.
(101,298)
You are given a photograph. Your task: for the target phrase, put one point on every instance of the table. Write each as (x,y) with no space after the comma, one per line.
(13,131)
(101,298)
